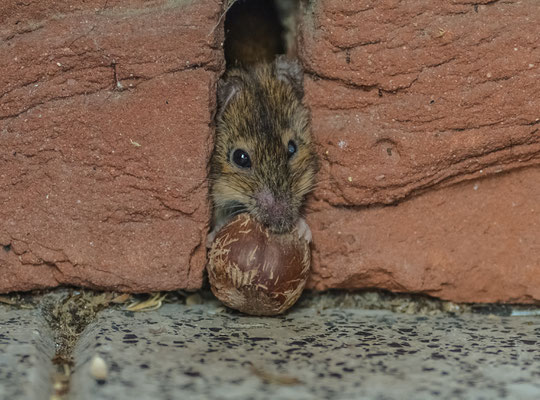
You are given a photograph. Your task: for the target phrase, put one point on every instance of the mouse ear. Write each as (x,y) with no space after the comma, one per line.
(228,87)
(290,72)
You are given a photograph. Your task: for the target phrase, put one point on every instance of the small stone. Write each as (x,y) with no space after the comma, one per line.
(98,368)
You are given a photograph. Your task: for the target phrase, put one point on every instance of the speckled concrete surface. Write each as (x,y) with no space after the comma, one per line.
(206,352)
(319,350)
(26,350)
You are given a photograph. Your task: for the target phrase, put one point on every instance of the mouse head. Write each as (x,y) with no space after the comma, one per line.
(264,162)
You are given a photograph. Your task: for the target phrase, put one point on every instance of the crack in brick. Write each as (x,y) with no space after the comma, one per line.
(116,85)
(450,173)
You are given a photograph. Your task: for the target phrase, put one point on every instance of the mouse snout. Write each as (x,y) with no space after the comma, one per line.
(274,211)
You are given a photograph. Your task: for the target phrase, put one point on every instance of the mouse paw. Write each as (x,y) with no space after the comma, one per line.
(218,222)
(303,230)
(210,237)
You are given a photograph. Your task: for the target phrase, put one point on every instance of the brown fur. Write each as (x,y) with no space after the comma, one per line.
(260,111)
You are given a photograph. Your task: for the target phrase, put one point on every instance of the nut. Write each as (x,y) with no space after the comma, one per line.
(255,271)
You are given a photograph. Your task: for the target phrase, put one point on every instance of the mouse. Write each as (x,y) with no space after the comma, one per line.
(264,161)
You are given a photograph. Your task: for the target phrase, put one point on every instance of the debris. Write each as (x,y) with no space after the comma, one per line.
(193,299)
(120,299)
(7,300)
(274,378)
(153,303)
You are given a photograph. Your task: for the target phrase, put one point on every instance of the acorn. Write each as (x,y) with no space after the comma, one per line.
(255,271)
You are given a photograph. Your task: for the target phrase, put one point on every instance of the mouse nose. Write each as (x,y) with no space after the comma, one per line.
(274,211)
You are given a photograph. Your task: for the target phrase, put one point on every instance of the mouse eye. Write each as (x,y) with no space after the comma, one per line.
(241,158)
(291,148)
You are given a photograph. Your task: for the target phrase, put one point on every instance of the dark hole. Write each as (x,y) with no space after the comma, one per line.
(253,33)
(7,247)
(389,151)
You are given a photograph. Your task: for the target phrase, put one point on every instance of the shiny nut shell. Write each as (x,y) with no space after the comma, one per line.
(255,271)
